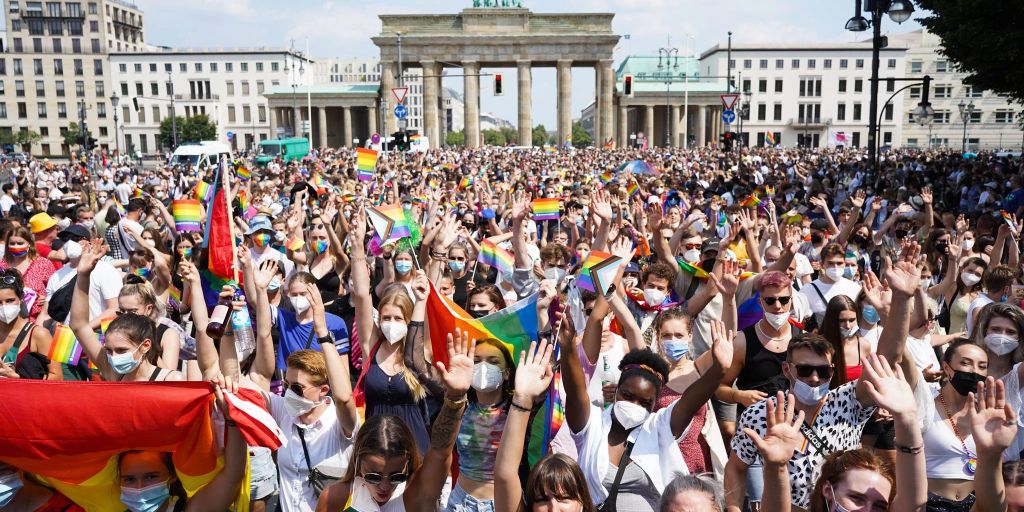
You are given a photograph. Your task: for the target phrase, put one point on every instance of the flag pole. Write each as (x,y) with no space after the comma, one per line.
(226,178)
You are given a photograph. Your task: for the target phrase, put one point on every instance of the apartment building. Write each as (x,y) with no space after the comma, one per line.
(367,71)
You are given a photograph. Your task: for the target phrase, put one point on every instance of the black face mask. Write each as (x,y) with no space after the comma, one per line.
(816,239)
(901,233)
(708,265)
(478,313)
(942,247)
(965,382)
(859,240)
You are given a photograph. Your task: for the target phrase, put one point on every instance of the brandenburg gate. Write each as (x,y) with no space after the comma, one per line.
(477,38)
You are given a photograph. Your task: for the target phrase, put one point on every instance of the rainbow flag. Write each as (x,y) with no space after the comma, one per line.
(491,254)
(65,347)
(515,326)
(243,172)
(175,293)
(138,194)
(633,189)
(348,198)
(119,207)
(696,271)
(187,215)
(606,177)
(294,243)
(598,272)
(750,201)
(1008,219)
(769,138)
(545,209)
(465,183)
(770,190)
(749,312)
(550,150)
(104,324)
(366,163)
(389,222)
(204,191)
(243,199)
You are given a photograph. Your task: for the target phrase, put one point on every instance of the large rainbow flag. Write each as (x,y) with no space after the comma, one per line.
(389,222)
(80,460)
(187,215)
(515,326)
(545,208)
(366,163)
(598,272)
(491,254)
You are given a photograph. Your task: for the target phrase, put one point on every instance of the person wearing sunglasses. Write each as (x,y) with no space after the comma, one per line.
(323,257)
(24,349)
(386,471)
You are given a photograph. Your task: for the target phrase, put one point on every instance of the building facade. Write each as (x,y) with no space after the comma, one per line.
(54,69)
(358,71)
(227,85)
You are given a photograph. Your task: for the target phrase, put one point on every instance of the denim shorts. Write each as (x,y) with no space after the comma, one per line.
(461,501)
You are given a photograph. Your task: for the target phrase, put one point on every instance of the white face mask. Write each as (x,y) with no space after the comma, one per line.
(807,394)
(555,274)
(9,312)
(691,255)
(630,415)
(970,279)
(393,331)
(847,333)
(300,303)
(968,244)
(88,224)
(73,250)
(487,377)
(777,320)
(1001,344)
(296,404)
(834,273)
(654,297)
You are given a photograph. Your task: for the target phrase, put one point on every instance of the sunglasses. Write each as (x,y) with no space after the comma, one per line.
(8,280)
(295,387)
(134,279)
(771,300)
(804,371)
(692,246)
(377,478)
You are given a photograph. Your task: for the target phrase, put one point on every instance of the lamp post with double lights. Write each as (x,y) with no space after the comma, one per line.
(668,66)
(966,110)
(114,100)
(898,11)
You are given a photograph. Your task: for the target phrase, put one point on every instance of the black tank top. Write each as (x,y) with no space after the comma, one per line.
(329,284)
(762,368)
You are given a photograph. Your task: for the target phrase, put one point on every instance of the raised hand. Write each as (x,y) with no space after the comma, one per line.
(357,230)
(533,375)
(876,204)
(623,248)
(874,292)
(601,206)
(264,274)
(458,373)
(547,294)
(858,199)
(316,302)
(993,420)
(782,437)
(92,252)
(888,387)
(818,203)
(420,285)
(655,219)
(520,207)
(721,343)
(926,195)
(904,276)
(188,272)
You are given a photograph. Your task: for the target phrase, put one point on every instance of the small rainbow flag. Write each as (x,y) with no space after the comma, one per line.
(750,201)
(119,207)
(1008,219)
(598,272)
(366,163)
(466,183)
(138,193)
(187,215)
(175,293)
(64,348)
(545,209)
(204,191)
(770,190)
(294,244)
(491,254)
(606,177)
(550,150)
(769,138)
(389,222)
(633,189)
(243,172)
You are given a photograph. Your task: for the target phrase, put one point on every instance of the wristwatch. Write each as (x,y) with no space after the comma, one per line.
(326,339)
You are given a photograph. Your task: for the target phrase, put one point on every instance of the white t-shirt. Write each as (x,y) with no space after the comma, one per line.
(841,287)
(924,356)
(6,202)
(105,283)
(273,255)
(976,304)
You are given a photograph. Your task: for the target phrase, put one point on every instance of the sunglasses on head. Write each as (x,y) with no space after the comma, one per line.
(8,280)
(805,371)
(771,300)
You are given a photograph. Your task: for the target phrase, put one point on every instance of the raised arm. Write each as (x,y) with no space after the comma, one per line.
(698,393)
(904,278)
(91,253)
(781,440)
(993,427)
(577,401)
(858,203)
(218,495)
(520,207)
(337,366)
(361,300)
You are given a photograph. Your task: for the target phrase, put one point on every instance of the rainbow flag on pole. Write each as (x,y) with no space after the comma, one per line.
(633,189)
(751,201)
(243,172)
(696,271)
(187,215)
(491,254)
(465,183)
(366,163)
(515,326)
(389,222)
(769,138)
(598,272)
(545,209)
(65,347)
(204,191)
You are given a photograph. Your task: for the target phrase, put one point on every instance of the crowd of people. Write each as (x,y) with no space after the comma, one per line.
(780,329)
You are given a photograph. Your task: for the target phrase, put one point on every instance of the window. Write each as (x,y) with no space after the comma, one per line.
(97,67)
(79,88)
(58,67)
(138,88)
(41,110)
(856,111)
(795,64)
(142,115)
(37,44)
(809,113)
(1003,116)
(95,45)
(137,67)
(762,111)
(273,67)
(62,110)
(19,88)
(971,92)
(246,114)
(74,9)
(168,67)
(812,63)
(826,63)
(156,113)
(732,63)
(779,63)
(213,67)
(92,8)
(125,114)
(231,113)
(858,85)
(57,46)
(3,66)
(94,26)
(259,87)
(975,117)
(35,27)
(37,66)
(841,112)
(229,67)
(747,63)
(79,67)
(891,63)
(856,139)
(888,112)
(199,67)
(244,66)
(18,47)
(22,110)
(761,64)
(842,85)
(15,25)
(183,67)
(746,85)
(259,66)
(777,112)
(778,85)
(152,67)
(843,63)
(3,111)
(75,27)
(17,67)
(245,88)
(230,88)
(810,87)
(122,67)
(886,138)
(859,63)
(101,109)
(40,88)
(124,89)
(941,117)
(916,66)
(941,91)
(154,89)
(890,86)
(14,7)
(941,66)
(762,85)
(100,89)
(76,46)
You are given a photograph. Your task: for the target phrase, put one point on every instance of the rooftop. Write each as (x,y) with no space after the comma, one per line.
(324,89)
(647,77)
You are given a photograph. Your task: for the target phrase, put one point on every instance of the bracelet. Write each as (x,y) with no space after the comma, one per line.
(455,404)
(913,450)
(519,407)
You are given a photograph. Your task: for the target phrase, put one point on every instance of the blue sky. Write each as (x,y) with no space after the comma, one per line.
(344,28)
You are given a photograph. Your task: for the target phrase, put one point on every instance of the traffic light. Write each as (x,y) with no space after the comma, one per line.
(135,103)
(498,91)
(399,141)
(627,85)
(728,138)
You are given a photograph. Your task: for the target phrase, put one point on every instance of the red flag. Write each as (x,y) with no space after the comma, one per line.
(221,250)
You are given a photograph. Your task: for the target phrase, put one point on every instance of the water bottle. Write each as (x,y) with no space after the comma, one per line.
(245,341)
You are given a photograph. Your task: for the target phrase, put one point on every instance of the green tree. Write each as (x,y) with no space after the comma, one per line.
(455,139)
(540,135)
(27,137)
(494,138)
(978,40)
(511,135)
(190,129)
(73,135)
(580,137)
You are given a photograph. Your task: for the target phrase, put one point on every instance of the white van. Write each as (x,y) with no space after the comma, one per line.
(200,155)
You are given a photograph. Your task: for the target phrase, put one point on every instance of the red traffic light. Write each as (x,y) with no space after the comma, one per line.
(627,85)
(498,90)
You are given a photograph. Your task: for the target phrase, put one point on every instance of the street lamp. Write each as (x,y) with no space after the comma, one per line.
(114,100)
(965,115)
(898,11)
(670,57)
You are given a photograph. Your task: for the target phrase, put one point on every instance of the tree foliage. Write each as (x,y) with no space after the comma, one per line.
(191,129)
(73,135)
(580,137)
(511,135)
(540,135)
(494,138)
(455,139)
(982,38)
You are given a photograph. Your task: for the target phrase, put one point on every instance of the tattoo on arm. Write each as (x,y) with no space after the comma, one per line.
(446,426)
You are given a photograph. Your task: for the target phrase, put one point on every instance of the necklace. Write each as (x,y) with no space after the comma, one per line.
(970,460)
(774,341)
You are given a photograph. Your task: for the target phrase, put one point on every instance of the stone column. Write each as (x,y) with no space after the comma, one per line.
(649,126)
(525,74)
(702,127)
(623,136)
(430,91)
(471,86)
(674,125)
(387,82)
(346,132)
(371,112)
(322,126)
(297,121)
(564,101)
(599,106)
(608,100)
(272,112)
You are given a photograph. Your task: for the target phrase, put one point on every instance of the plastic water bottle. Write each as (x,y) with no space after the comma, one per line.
(245,341)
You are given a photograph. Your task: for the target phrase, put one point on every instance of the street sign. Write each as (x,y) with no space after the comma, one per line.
(279,130)
(375,138)
(403,124)
(400,93)
(401,112)
(231,135)
(728,116)
(729,100)
(305,125)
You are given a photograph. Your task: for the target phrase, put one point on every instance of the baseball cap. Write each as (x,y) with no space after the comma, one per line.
(819,224)
(710,244)
(259,223)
